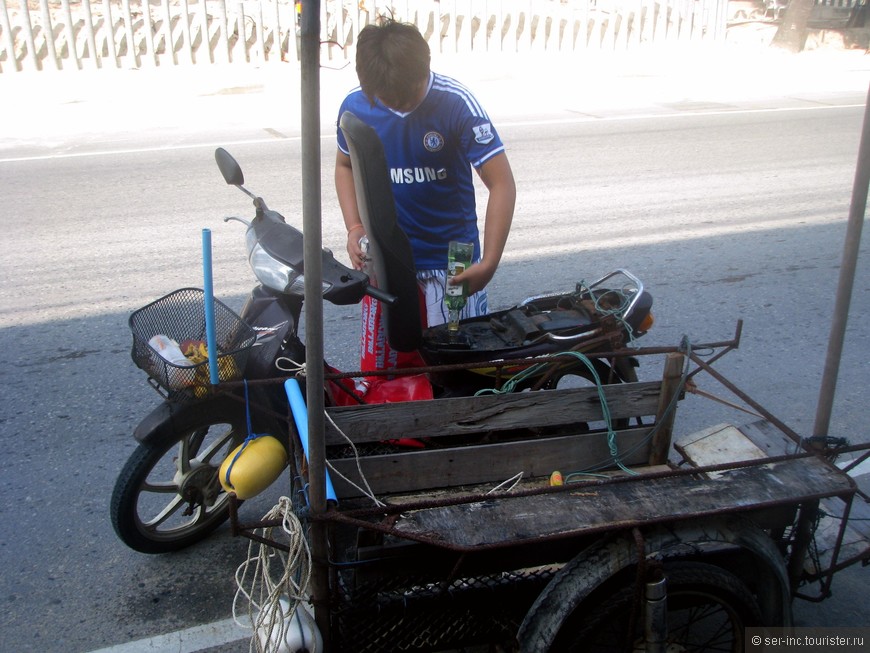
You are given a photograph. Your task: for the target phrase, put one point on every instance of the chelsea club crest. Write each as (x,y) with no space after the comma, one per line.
(433,141)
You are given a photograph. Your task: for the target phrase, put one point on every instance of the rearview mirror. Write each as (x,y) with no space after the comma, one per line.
(229,168)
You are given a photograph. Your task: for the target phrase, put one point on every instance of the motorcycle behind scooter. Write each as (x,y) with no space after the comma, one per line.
(169,493)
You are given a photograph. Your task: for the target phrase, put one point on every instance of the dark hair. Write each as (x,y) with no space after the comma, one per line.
(392,59)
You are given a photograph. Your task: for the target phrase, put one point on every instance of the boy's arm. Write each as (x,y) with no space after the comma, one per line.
(346,193)
(498,178)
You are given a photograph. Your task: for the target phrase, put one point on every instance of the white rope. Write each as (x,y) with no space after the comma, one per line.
(269,575)
(508,485)
(290,366)
(367,491)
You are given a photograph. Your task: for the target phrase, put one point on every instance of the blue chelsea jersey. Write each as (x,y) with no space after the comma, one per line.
(430,152)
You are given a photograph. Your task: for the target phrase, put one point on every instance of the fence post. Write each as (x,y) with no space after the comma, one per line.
(325,31)
(48,33)
(674,22)
(222,53)
(435,43)
(647,18)
(465,28)
(168,41)
(261,37)
(565,29)
(186,41)
(448,31)
(495,39)
(27,28)
(11,58)
(204,34)
(127,18)
(277,41)
(91,36)
(241,38)
(147,26)
(109,30)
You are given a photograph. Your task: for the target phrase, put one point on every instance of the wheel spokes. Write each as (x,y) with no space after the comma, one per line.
(705,627)
(188,448)
(187,481)
(168,511)
(170,487)
(219,443)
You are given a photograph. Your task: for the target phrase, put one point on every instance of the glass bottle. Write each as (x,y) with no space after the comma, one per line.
(367,259)
(458,260)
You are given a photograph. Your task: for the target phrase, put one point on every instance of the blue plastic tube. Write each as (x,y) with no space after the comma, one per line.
(208,290)
(300,416)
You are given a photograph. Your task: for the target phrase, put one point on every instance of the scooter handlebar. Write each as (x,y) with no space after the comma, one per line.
(382,296)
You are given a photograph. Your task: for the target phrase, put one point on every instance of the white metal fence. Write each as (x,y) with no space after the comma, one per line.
(77,34)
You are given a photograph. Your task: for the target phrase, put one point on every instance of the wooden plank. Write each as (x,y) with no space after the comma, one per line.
(667,410)
(768,438)
(588,508)
(476,415)
(437,468)
(717,445)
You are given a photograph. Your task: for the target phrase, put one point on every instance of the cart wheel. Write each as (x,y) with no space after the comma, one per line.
(603,569)
(708,609)
(168,495)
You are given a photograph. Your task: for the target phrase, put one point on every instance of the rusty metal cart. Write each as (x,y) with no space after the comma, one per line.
(426,550)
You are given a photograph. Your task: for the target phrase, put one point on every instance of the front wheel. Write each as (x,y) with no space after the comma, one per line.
(168,495)
(708,609)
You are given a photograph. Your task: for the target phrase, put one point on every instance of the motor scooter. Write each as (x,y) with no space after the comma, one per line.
(169,495)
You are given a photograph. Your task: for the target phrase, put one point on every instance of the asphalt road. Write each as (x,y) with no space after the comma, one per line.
(728,210)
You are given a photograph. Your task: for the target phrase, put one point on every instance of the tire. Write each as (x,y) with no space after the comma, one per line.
(168,495)
(599,571)
(579,375)
(709,609)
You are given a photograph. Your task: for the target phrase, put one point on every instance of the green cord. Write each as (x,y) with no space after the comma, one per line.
(511,384)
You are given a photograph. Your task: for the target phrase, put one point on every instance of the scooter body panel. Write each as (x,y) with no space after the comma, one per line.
(275,318)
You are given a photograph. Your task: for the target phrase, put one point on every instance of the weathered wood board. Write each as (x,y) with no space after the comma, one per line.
(595,507)
(479,451)
(459,416)
(436,468)
(717,445)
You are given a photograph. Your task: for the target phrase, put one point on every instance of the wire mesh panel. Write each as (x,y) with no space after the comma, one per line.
(391,612)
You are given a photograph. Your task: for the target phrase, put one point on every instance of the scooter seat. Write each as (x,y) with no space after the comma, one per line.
(513,333)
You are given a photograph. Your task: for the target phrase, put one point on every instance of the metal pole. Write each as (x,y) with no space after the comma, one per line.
(847,278)
(311,226)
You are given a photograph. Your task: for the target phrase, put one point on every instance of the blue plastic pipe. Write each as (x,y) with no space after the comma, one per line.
(208,290)
(300,416)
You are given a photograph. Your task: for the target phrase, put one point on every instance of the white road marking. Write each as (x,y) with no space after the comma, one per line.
(502,125)
(188,640)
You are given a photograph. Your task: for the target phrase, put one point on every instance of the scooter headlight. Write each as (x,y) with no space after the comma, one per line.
(273,273)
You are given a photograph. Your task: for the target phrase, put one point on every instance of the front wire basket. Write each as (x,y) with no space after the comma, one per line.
(180,315)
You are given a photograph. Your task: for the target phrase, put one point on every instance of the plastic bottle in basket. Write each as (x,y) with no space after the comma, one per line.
(169,350)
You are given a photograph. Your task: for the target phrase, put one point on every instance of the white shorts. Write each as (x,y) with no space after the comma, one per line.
(432,284)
